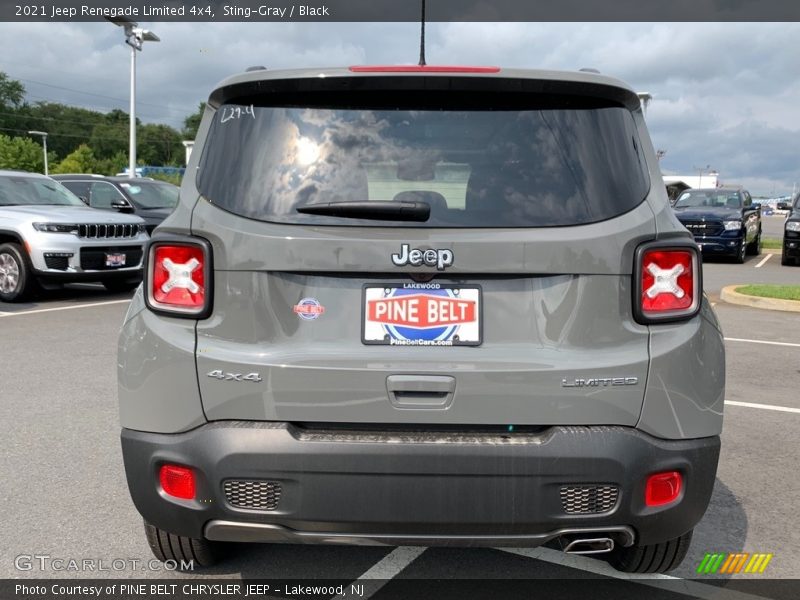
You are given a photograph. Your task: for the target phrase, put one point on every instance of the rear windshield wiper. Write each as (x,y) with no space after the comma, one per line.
(377,210)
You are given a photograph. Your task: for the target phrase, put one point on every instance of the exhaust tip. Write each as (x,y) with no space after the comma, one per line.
(590,546)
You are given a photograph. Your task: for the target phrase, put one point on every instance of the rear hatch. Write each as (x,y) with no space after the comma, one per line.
(478,272)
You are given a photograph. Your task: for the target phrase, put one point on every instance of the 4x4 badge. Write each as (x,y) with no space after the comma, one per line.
(223,376)
(440,258)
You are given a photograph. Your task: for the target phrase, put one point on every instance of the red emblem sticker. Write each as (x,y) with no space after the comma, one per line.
(308,309)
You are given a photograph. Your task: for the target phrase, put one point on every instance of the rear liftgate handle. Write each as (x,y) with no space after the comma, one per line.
(421,391)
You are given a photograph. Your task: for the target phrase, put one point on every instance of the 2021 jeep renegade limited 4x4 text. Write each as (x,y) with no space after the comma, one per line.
(419,305)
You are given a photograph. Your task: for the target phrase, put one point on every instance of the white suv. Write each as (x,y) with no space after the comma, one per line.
(47,236)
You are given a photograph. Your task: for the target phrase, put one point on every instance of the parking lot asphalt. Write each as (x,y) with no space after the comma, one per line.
(64,493)
(772,225)
(764,268)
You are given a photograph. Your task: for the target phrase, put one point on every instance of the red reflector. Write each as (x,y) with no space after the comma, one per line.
(422,69)
(668,281)
(177,481)
(178,277)
(662,488)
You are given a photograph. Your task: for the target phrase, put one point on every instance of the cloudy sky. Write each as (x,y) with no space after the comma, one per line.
(725,94)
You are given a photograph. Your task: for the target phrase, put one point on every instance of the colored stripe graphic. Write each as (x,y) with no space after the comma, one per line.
(711,562)
(755,561)
(701,568)
(716,564)
(739,563)
(733,563)
(728,562)
(764,564)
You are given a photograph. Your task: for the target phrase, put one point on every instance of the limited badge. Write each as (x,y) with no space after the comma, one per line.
(308,309)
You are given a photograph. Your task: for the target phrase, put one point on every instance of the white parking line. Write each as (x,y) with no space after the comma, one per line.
(381,572)
(71,307)
(665,582)
(789,344)
(763,260)
(763,406)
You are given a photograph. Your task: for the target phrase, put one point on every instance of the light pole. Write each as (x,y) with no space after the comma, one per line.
(135,36)
(44,145)
(700,171)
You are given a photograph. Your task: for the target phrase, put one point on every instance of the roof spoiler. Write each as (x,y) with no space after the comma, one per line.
(433,78)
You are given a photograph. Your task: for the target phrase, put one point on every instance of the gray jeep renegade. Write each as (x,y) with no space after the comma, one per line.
(422,305)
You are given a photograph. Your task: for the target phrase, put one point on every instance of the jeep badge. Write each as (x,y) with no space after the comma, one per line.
(440,258)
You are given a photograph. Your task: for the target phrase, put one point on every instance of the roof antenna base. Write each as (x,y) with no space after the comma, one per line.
(422,37)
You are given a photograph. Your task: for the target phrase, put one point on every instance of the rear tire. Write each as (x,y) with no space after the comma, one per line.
(116,286)
(181,549)
(655,558)
(16,274)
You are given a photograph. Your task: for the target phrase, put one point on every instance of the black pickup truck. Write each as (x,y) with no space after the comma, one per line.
(791,235)
(724,221)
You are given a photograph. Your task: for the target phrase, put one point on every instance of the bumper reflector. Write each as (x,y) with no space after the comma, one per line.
(177,482)
(663,488)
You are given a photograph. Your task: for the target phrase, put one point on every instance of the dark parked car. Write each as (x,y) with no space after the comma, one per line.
(723,221)
(147,198)
(784,206)
(791,235)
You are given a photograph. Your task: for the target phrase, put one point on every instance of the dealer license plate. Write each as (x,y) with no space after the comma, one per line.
(421,314)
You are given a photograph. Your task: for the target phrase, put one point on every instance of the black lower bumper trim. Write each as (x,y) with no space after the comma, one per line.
(469,490)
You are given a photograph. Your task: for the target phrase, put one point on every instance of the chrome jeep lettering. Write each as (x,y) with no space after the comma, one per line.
(439,258)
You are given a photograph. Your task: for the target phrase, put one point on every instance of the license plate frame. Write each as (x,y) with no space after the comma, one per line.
(459,302)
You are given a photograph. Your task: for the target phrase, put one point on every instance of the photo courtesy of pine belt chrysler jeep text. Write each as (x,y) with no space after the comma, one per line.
(422,305)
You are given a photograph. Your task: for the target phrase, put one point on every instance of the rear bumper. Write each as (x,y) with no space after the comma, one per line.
(417,488)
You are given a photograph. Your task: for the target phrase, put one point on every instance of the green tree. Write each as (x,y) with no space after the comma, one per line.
(82,160)
(113,165)
(68,126)
(109,138)
(192,123)
(12,92)
(21,153)
(159,145)
(118,116)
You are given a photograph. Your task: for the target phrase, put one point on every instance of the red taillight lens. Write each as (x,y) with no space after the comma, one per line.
(662,488)
(668,283)
(177,278)
(177,482)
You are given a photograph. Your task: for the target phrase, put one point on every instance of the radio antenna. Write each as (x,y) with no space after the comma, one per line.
(422,37)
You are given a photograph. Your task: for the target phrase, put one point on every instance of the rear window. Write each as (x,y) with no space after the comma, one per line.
(519,167)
